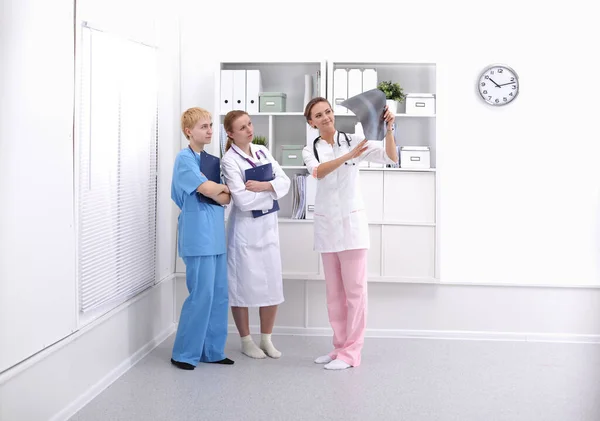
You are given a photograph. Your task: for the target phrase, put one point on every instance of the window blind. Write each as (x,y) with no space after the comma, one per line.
(117,169)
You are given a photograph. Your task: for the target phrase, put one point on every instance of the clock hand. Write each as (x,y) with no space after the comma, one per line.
(497,86)
(506,83)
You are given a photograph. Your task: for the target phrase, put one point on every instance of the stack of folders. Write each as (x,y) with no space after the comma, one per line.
(398,164)
(317,84)
(350,82)
(222,138)
(299,196)
(395,128)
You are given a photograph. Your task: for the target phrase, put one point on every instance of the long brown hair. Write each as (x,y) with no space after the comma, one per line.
(311,104)
(228,121)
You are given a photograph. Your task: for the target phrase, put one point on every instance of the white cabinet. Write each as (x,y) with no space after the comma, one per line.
(409,197)
(374,262)
(296,241)
(408,251)
(371,184)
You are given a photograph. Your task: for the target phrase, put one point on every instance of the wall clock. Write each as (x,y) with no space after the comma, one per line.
(498,85)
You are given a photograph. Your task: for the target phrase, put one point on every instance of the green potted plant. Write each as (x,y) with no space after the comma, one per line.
(260,140)
(393,94)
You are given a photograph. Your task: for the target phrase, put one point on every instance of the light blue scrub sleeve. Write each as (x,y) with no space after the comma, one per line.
(189,177)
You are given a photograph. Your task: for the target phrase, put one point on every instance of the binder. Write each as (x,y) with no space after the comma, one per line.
(210,166)
(262,173)
(239,90)
(311,135)
(253,88)
(317,85)
(311,193)
(355,85)
(226,91)
(340,90)
(369,80)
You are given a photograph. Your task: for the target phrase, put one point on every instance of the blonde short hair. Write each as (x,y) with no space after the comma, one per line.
(192,116)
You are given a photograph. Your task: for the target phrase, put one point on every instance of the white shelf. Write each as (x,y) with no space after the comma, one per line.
(401,115)
(295,221)
(302,167)
(415,116)
(377,223)
(294,167)
(340,62)
(399,169)
(291,113)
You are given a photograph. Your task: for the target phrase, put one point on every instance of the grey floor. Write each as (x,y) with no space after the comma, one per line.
(399,379)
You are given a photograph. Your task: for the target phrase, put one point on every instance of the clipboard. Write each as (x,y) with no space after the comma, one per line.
(210,166)
(262,173)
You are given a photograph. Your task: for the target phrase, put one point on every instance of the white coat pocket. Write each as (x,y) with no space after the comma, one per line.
(322,232)
(259,234)
(359,226)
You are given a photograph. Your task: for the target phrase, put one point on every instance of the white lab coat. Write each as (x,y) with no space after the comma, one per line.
(253,256)
(340,220)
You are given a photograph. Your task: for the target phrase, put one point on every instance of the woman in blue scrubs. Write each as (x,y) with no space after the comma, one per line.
(202,329)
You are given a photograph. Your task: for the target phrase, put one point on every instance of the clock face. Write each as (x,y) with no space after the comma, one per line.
(498,85)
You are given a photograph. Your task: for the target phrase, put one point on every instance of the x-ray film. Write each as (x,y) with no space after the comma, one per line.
(369,108)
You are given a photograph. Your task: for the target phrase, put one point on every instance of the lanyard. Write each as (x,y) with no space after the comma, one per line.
(249,161)
(194,153)
(195,156)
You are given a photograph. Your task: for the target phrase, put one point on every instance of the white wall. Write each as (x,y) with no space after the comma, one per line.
(58,382)
(41,338)
(519,185)
(168,145)
(38,305)
(520,196)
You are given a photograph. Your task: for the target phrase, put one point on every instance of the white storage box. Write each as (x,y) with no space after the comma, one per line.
(420,104)
(415,157)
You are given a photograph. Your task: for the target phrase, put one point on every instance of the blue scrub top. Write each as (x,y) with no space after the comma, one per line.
(201,227)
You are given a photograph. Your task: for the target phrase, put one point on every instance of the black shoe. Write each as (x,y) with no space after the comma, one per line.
(183,366)
(225,361)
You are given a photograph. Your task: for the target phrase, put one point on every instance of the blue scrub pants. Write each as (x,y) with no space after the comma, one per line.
(202,330)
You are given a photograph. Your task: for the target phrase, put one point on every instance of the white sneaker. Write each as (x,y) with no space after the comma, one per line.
(337,365)
(324,359)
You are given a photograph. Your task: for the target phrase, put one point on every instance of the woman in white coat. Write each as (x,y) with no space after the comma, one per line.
(341,227)
(253,255)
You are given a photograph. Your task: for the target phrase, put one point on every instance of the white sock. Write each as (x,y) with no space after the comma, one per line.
(250,349)
(267,346)
(323,359)
(337,365)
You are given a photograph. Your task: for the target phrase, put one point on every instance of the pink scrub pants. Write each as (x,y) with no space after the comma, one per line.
(346,286)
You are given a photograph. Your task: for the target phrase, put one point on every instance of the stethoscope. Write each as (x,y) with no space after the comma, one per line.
(316,153)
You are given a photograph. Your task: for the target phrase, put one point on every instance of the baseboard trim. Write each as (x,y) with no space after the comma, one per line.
(434,282)
(112,376)
(438,334)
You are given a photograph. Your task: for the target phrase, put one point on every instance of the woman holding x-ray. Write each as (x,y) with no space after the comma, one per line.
(341,227)
(254,259)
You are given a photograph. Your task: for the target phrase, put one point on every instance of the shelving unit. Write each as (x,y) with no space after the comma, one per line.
(277,76)
(402,203)
(400,115)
